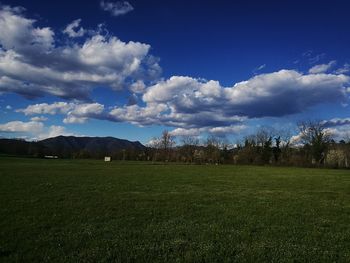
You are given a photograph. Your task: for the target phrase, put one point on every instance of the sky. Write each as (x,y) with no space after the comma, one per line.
(130,69)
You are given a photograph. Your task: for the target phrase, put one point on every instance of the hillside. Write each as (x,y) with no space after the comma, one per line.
(70,146)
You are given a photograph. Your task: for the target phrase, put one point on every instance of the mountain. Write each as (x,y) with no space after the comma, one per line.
(71,146)
(20,147)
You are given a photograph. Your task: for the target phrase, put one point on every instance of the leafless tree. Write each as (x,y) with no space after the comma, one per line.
(212,149)
(166,143)
(284,136)
(189,146)
(264,135)
(315,137)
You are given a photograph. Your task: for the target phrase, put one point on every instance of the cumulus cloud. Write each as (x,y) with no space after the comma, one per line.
(336,122)
(138,86)
(196,105)
(218,131)
(38,118)
(234,129)
(45,108)
(74,30)
(53,131)
(322,68)
(116,8)
(34,130)
(186,132)
(20,126)
(274,94)
(19,32)
(33,64)
(76,112)
(82,112)
(340,132)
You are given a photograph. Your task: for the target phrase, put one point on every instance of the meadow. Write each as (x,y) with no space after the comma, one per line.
(91,211)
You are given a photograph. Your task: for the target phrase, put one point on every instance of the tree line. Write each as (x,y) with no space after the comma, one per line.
(314,146)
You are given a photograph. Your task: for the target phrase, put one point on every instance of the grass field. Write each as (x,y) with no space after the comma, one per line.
(91,211)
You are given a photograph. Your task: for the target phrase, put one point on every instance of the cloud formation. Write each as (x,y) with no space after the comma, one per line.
(20,126)
(33,64)
(39,118)
(336,122)
(218,131)
(322,68)
(343,70)
(116,8)
(75,112)
(193,106)
(34,130)
(74,30)
(275,94)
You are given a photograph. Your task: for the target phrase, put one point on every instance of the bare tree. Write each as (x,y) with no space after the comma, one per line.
(282,150)
(264,135)
(264,139)
(316,138)
(212,149)
(154,146)
(189,146)
(166,143)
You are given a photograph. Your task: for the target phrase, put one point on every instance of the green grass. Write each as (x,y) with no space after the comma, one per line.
(91,211)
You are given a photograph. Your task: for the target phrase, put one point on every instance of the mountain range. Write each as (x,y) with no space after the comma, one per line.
(71,146)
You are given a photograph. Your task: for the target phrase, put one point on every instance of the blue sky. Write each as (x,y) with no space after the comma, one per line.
(131,69)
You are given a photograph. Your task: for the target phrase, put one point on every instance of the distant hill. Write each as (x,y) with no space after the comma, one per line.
(71,146)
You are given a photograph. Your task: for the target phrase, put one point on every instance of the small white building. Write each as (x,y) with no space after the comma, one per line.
(108,158)
(51,157)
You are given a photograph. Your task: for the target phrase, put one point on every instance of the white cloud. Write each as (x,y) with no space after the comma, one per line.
(82,112)
(192,104)
(76,112)
(33,64)
(322,68)
(343,70)
(44,108)
(296,140)
(74,30)
(54,131)
(340,132)
(186,132)
(34,130)
(40,65)
(87,108)
(172,88)
(257,69)
(274,94)
(8,107)
(233,129)
(138,86)
(116,8)
(18,32)
(38,118)
(218,131)
(74,119)
(20,126)
(336,122)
